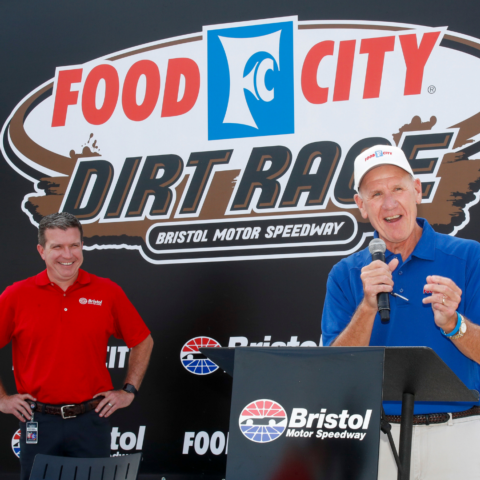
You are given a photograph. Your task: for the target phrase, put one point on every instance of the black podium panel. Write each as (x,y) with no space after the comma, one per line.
(305,414)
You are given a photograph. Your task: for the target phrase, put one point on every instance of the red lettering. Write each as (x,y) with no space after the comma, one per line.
(178,67)
(311,90)
(343,78)
(416,59)
(376,49)
(92,114)
(132,110)
(64,95)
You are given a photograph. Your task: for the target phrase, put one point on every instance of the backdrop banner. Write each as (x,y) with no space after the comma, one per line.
(208,148)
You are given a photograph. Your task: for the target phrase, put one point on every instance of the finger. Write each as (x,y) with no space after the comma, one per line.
(393,264)
(377,276)
(102,394)
(19,416)
(102,404)
(27,395)
(25,411)
(107,409)
(437,279)
(26,406)
(111,410)
(374,290)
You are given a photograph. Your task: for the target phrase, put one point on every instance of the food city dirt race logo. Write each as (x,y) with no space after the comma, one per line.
(263,421)
(238,142)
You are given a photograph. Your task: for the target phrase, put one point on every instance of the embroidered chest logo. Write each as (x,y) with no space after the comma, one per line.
(84,301)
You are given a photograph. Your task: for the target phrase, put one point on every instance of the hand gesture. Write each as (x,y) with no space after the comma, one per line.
(445,298)
(376,278)
(17,405)
(114,399)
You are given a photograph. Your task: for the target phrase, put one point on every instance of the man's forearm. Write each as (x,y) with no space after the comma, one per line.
(358,332)
(3,392)
(138,362)
(469,344)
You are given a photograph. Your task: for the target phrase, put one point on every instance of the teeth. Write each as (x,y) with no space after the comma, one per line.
(388,219)
(71,263)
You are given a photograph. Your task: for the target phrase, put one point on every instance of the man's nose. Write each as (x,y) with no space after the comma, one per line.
(389,201)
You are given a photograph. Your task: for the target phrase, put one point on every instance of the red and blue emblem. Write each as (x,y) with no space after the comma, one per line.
(193,360)
(16,443)
(263,421)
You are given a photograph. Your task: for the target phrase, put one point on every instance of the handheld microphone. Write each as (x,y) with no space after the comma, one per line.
(377,248)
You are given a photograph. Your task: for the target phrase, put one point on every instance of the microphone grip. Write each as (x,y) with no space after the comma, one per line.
(383,299)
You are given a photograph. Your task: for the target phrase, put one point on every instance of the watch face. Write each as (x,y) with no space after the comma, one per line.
(463,327)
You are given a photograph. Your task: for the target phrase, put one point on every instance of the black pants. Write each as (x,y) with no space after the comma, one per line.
(86,436)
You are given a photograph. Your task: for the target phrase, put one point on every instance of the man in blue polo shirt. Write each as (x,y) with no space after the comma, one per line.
(440,277)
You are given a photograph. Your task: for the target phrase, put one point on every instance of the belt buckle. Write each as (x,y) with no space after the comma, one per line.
(63,413)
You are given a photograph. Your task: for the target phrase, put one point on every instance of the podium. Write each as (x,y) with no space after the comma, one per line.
(315,413)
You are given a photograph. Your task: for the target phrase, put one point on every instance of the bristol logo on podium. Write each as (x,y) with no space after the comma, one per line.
(263,421)
(250,81)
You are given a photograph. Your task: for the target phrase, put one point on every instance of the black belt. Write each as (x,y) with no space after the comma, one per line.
(66,411)
(432,418)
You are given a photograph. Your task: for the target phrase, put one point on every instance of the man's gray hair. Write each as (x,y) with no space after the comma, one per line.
(62,220)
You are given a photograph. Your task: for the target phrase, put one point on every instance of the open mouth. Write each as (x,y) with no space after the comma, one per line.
(393,218)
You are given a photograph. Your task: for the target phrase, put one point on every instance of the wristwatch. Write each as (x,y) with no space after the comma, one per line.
(128,387)
(459,330)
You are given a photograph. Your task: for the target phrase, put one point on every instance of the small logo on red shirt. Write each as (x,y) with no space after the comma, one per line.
(84,301)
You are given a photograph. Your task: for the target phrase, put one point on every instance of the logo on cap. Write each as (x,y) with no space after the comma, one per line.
(263,421)
(378,153)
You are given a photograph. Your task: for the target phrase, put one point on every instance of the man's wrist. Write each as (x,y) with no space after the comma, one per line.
(129,388)
(452,325)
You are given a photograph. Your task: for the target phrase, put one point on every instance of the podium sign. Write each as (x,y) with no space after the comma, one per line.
(309,413)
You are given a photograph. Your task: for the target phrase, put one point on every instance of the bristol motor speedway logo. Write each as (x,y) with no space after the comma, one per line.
(263,421)
(193,360)
(16,443)
(238,142)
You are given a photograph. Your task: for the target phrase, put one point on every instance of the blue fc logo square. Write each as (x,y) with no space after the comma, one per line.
(250,81)
(379,153)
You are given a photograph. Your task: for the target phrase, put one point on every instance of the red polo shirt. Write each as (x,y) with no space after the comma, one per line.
(59,339)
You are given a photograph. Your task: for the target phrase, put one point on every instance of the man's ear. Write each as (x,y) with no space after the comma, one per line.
(41,251)
(417,184)
(361,205)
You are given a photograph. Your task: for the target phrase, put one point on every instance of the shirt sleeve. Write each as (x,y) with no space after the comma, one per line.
(338,308)
(7,317)
(129,325)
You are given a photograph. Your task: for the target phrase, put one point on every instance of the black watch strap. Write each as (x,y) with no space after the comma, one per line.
(128,387)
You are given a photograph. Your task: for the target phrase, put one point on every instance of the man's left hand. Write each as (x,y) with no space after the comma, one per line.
(114,399)
(445,298)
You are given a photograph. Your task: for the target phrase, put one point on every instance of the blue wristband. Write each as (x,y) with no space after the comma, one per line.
(456,329)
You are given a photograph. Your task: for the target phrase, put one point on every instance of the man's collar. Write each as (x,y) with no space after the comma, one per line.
(42,278)
(425,247)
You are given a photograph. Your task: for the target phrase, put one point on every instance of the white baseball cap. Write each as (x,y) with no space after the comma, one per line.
(376,156)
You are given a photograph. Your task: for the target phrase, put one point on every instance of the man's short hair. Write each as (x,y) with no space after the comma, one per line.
(62,220)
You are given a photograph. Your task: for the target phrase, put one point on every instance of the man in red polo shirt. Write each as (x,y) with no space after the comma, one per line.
(59,323)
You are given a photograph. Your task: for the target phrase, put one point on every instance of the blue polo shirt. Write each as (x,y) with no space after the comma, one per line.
(411,323)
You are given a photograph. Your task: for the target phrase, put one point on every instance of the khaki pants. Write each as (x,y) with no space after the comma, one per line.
(446,451)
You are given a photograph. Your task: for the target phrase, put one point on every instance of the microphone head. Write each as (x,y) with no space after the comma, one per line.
(377,245)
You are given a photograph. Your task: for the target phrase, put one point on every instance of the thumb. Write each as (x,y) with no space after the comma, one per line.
(393,264)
